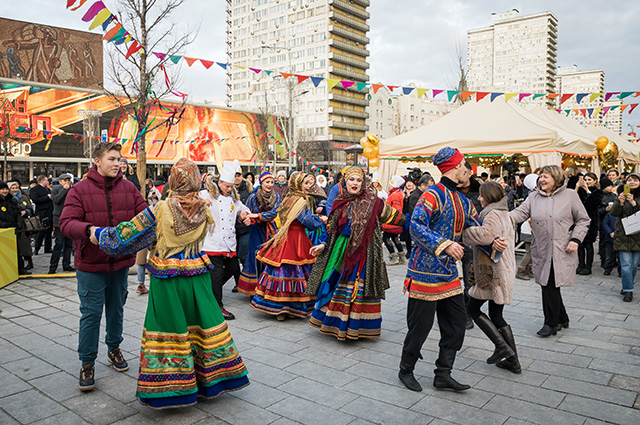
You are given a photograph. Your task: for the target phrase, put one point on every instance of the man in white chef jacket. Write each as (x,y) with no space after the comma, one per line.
(225,206)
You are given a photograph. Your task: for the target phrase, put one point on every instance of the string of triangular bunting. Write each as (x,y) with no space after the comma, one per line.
(99,15)
(359,86)
(589,112)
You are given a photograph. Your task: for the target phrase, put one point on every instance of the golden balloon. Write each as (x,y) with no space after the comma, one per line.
(368,152)
(568,162)
(374,162)
(364,142)
(610,153)
(373,139)
(602,142)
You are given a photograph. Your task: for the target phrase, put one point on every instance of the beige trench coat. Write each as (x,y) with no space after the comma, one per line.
(495,224)
(556,219)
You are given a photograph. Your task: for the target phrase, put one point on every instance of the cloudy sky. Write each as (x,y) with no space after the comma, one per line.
(411,40)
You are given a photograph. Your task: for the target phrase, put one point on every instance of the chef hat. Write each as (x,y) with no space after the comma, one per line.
(229,170)
(396,181)
(375,177)
(530,181)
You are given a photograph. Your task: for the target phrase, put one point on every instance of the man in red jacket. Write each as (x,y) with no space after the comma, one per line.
(103,199)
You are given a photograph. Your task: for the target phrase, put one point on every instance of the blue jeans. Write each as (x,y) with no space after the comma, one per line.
(95,290)
(142,271)
(629,261)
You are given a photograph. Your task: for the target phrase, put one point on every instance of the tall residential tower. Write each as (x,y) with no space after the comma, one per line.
(320,38)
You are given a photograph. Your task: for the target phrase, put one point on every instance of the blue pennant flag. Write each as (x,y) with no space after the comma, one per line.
(494,95)
(316,80)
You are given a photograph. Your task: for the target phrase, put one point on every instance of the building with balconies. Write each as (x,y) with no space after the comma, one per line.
(516,54)
(319,38)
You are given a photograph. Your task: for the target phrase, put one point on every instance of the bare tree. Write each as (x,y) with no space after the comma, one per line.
(460,72)
(149,21)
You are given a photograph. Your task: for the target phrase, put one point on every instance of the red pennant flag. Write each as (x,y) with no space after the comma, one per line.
(132,49)
(466,94)
(391,88)
(207,64)
(583,112)
(301,78)
(565,97)
(632,106)
(553,95)
(285,75)
(189,60)
(376,87)
(481,95)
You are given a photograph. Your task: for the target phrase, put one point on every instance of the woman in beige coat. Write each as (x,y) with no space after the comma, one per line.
(494,281)
(559,224)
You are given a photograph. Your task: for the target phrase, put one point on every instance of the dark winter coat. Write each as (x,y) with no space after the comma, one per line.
(606,198)
(609,227)
(40,196)
(10,215)
(99,201)
(591,202)
(58,195)
(622,242)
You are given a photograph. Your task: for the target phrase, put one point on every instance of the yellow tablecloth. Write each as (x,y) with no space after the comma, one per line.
(8,257)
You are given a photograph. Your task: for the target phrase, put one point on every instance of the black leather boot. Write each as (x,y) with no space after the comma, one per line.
(512,363)
(443,379)
(502,350)
(406,373)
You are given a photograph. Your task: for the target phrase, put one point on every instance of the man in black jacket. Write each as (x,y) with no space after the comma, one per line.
(63,244)
(41,196)
(11,216)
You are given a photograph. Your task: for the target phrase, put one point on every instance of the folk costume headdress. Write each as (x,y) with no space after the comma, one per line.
(183,218)
(266,199)
(447,159)
(292,205)
(361,208)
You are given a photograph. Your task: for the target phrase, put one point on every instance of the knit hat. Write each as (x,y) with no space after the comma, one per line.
(16,181)
(264,176)
(447,159)
(123,159)
(282,173)
(531,181)
(605,182)
(396,181)
(3,185)
(229,170)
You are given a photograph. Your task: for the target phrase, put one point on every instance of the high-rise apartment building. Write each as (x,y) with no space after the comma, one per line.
(571,80)
(320,38)
(516,54)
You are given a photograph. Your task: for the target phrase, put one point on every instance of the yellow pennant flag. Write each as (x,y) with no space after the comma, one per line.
(421,92)
(596,111)
(102,16)
(508,96)
(594,96)
(331,82)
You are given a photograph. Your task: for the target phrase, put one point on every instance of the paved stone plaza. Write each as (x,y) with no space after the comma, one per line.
(588,374)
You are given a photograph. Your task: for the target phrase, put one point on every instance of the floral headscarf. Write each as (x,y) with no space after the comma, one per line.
(189,211)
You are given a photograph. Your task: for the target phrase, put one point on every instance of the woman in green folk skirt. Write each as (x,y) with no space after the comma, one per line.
(187,351)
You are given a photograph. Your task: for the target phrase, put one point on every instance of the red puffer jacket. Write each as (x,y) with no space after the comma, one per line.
(396,200)
(99,201)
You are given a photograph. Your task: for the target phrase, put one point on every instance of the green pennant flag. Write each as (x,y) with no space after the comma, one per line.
(625,94)
(538,95)
(118,35)
(361,86)
(267,71)
(615,106)
(175,58)
(452,93)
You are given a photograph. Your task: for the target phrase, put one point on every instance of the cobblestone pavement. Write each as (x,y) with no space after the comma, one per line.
(588,374)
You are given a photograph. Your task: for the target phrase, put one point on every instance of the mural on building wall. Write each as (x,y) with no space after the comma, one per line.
(47,54)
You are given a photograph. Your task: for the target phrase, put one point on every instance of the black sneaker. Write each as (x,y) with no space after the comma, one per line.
(116,359)
(69,269)
(628,297)
(87,381)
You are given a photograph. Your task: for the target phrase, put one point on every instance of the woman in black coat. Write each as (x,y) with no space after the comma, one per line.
(591,198)
(11,216)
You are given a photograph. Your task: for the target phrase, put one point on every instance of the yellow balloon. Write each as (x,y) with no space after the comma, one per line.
(568,162)
(602,142)
(374,162)
(373,139)
(376,150)
(610,153)
(368,152)
(364,143)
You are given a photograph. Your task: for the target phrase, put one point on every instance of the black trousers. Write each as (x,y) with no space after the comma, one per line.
(452,317)
(609,256)
(223,269)
(44,235)
(585,255)
(62,246)
(391,239)
(495,311)
(552,305)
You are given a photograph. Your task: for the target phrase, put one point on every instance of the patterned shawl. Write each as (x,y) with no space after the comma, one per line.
(360,207)
(189,211)
(266,200)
